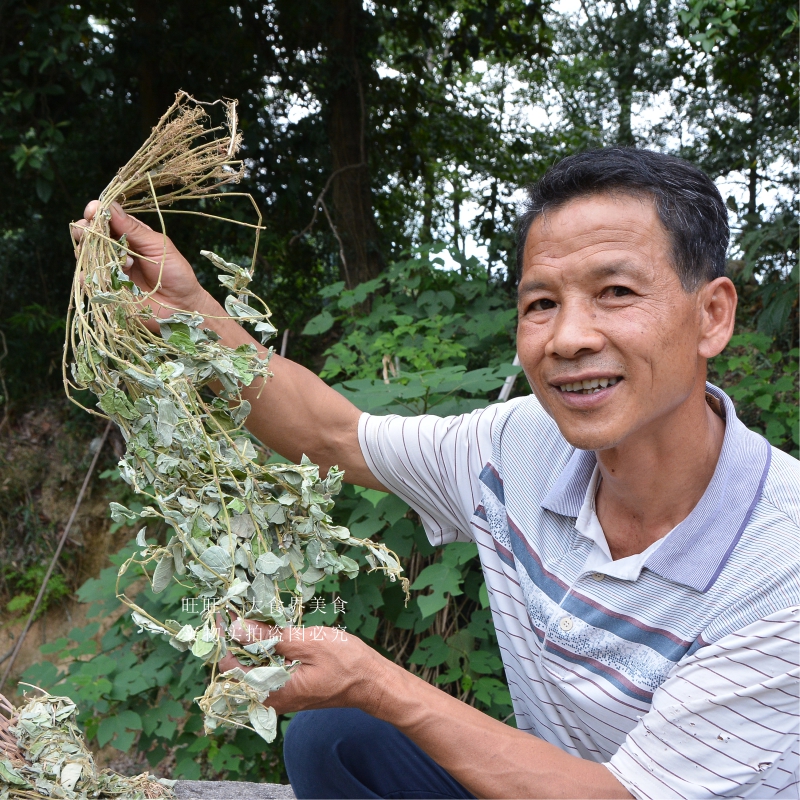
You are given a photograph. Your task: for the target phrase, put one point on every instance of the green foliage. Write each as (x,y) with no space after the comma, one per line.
(711,21)
(769,262)
(762,380)
(448,598)
(419,337)
(25,585)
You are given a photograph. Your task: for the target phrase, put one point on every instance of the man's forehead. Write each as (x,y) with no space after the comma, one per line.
(602,215)
(604,233)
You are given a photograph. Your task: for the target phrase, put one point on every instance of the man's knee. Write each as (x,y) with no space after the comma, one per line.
(316,736)
(321,748)
(308,732)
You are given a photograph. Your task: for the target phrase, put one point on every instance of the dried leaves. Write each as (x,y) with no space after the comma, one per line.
(43,753)
(250,539)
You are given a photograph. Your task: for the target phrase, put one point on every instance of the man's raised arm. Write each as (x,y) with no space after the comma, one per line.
(296,412)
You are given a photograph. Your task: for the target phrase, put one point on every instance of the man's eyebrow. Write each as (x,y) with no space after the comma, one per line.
(531,286)
(598,272)
(615,268)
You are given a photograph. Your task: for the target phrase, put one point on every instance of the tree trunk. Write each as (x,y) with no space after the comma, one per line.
(352,196)
(426,232)
(752,177)
(625,130)
(457,238)
(752,187)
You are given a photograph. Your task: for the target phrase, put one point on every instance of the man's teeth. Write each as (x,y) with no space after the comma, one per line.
(590,386)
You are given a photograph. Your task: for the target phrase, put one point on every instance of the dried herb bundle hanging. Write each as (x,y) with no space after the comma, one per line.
(252,539)
(44,754)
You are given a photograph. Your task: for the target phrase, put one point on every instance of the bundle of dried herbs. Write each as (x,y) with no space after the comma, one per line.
(251,539)
(44,754)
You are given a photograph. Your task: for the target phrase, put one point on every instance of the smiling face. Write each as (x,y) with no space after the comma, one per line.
(611,343)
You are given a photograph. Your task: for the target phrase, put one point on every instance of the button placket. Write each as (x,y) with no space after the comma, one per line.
(565,624)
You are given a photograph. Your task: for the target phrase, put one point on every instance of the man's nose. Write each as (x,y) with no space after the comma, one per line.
(574,332)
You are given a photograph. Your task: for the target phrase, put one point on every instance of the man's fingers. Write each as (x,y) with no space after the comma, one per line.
(230,662)
(121,221)
(76,229)
(248,631)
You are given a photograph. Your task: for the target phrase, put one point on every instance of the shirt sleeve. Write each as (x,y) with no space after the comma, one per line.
(432,463)
(724,723)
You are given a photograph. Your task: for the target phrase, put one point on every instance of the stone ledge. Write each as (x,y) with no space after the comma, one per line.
(231,790)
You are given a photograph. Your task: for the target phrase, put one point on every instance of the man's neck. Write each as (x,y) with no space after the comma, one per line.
(651,484)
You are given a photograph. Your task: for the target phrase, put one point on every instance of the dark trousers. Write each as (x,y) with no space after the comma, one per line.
(346,753)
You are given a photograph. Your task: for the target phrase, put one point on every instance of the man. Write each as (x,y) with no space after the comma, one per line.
(639,543)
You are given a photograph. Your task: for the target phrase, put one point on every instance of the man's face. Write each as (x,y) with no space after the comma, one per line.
(601,306)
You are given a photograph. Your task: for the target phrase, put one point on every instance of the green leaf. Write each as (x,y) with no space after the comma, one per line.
(179,335)
(237,506)
(483,596)
(484,662)
(444,579)
(320,324)
(54,647)
(763,401)
(163,574)
(266,679)
(491,691)
(431,652)
(120,726)
(11,775)
(116,404)
(44,188)
(333,290)
(264,721)
(218,559)
(202,648)
(775,432)
(101,665)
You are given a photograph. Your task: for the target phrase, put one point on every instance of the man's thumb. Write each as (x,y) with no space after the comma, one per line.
(122,222)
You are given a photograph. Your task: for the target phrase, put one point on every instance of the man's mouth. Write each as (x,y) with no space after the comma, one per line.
(590,386)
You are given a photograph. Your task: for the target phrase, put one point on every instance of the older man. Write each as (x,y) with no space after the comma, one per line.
(639,543)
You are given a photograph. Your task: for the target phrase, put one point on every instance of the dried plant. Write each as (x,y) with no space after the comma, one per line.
(251,539)
(44,754)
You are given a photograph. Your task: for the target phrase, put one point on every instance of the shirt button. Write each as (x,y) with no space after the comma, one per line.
(565,624)
(598,576)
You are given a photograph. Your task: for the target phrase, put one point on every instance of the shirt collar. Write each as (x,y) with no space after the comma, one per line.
(696,550)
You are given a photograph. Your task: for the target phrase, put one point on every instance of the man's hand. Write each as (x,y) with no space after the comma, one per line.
(337,670)
(486,756)
(162,269)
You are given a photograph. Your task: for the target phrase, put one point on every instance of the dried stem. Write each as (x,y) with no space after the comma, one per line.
(245,534)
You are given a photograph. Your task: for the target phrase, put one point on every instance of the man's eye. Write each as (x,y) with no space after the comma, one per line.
(542,305)
(619,291)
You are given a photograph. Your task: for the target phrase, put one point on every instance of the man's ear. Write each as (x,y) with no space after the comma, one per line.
(717,307)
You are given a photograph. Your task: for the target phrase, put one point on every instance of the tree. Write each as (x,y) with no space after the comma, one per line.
(612,63)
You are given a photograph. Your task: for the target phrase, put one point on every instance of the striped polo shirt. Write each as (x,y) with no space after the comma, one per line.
(677,668)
